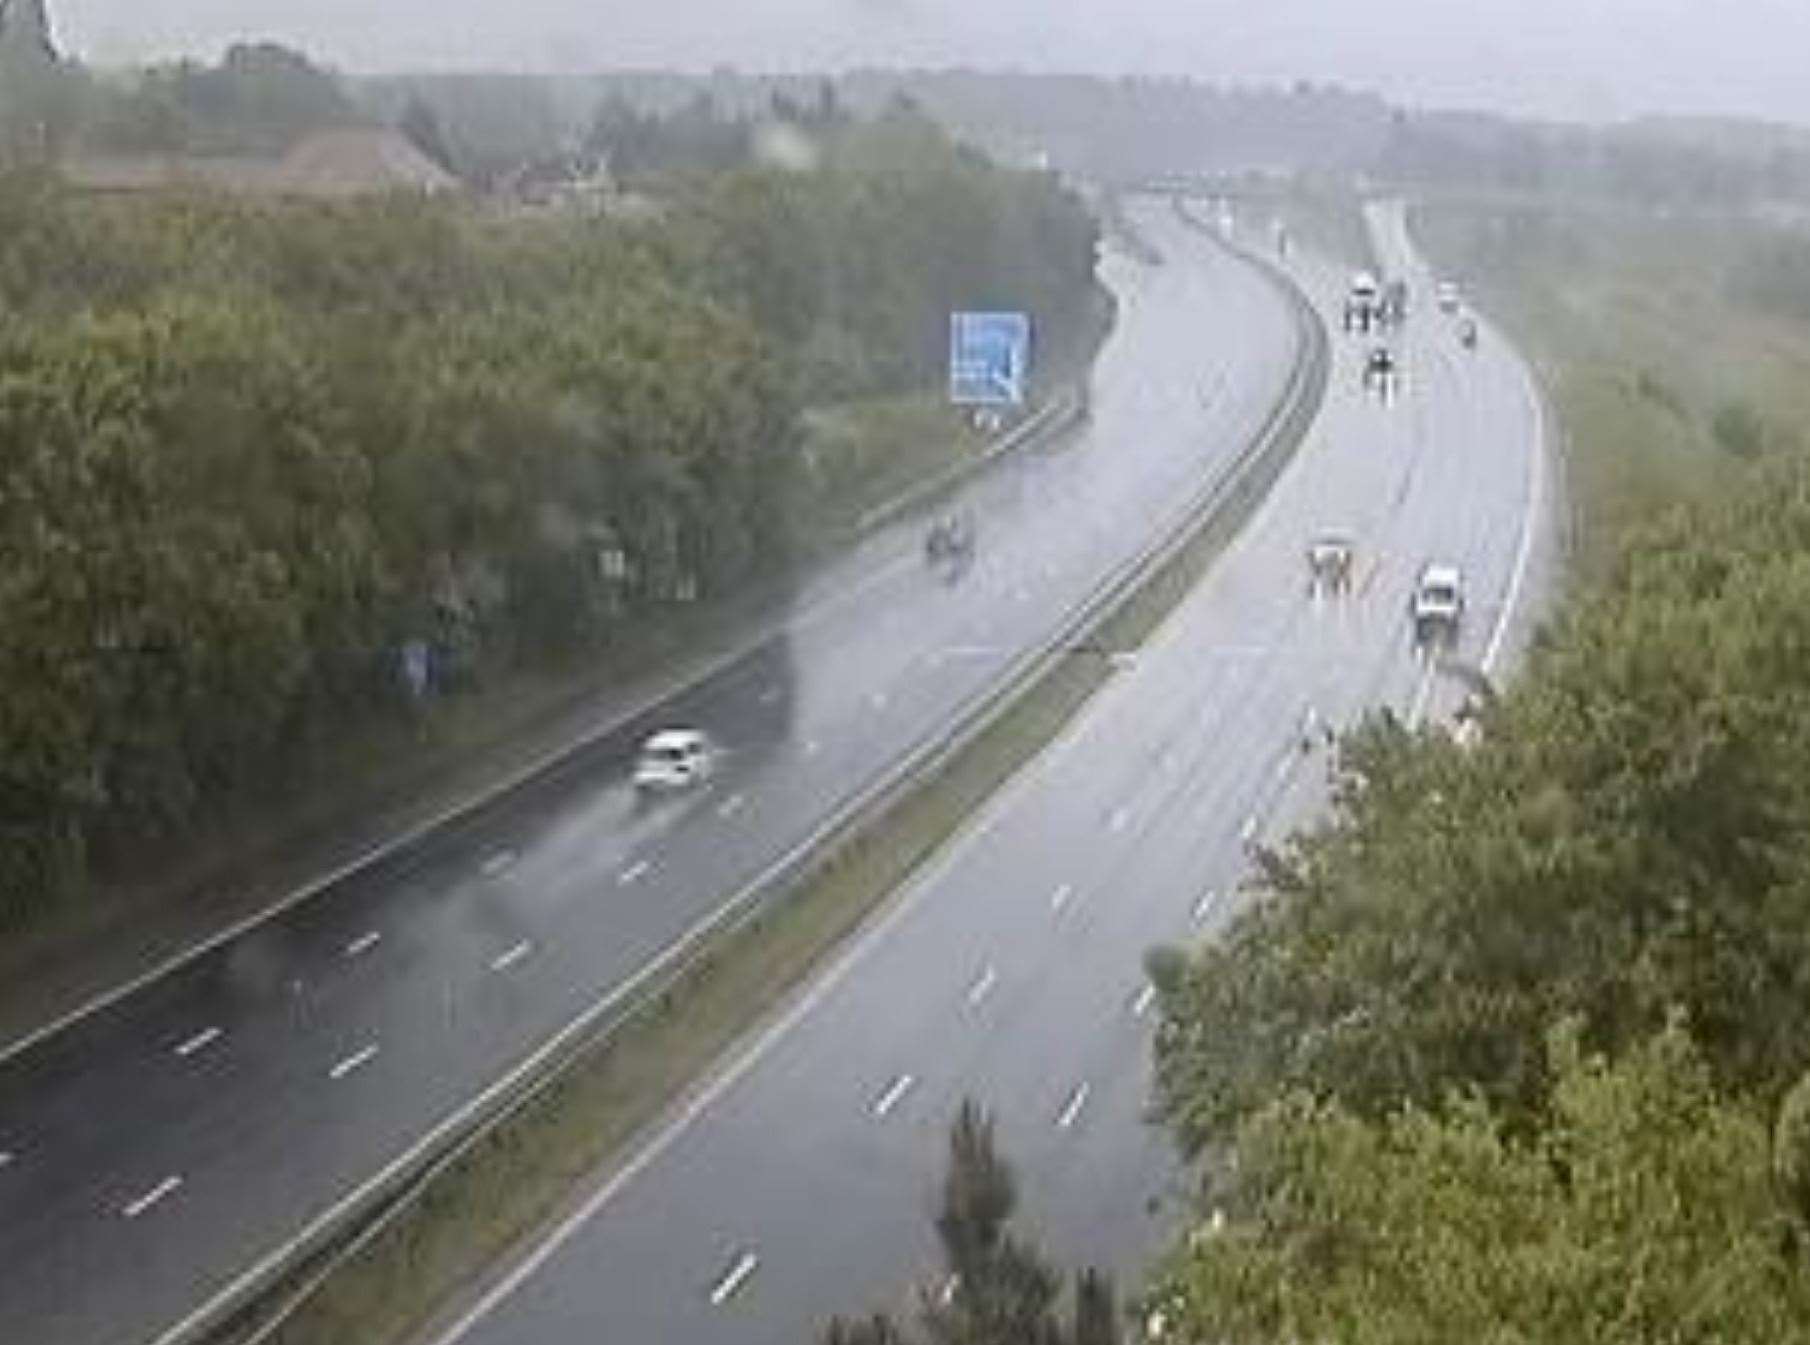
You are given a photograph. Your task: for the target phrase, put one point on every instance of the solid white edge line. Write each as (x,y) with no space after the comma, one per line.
(158,1193)
(356,1061)
(739,1274)
(1536,504)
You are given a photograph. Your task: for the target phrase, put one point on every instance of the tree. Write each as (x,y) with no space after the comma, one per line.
(1632,834)
(999,1290)
(1645,1211)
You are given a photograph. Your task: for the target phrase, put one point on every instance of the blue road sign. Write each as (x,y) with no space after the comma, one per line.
(989,358)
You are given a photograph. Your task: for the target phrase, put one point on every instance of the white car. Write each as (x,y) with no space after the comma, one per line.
(673,760)
(1438,602)
(1448,296)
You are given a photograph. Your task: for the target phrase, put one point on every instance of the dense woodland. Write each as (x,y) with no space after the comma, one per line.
(267,467)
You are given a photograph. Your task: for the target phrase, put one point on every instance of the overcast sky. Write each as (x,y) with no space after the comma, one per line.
(1588,58)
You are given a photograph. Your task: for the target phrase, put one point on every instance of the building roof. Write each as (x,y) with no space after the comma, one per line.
(336,164)
(359,161)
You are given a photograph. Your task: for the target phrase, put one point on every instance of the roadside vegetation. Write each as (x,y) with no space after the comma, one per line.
(273,472)
(1510,1046)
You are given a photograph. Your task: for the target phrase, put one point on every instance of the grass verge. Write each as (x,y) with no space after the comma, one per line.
(494,1198)
(1665,365)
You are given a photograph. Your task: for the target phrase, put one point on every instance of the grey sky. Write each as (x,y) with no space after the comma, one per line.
(1594,58)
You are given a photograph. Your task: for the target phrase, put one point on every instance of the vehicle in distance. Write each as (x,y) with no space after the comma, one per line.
(1448,296)
(1394,307)
(1361,302)
(673,760)
(1437,606)
(1329,563)
(1380,371)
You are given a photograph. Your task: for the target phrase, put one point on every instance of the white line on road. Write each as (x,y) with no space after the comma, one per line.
(732,805)
(1536,492)
(1072,1112)
(1204,907)
(200,1041)
(162,1191)
(1121,818)
(363,944)
(877,700)
(893,1095)
(357,1060)
(6,1158)
(507,960)
(498,864)
(1141,1004)
(738,1275)
(1422,695)
(983,986)
(712,1091)
(1060,897)
(769,696)
(1249,829)
(635,872)
(812,748)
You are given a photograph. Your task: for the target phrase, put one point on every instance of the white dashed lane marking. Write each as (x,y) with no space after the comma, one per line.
(504,961)
(199,1042)
(1072,1112)
(158,1193)
(739,1274)
(356,1061)
(635,872)
(1140,1005)
(498,864)
(1060,898)
(894,1094)
(983,986)
(363,944)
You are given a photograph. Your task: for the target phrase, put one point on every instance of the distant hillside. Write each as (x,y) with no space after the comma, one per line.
(1103,128)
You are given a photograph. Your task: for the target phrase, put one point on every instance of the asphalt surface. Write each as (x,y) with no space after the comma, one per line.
(154,1151)
(801,1182)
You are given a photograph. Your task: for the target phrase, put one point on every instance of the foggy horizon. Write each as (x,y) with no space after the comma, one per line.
(1610,60)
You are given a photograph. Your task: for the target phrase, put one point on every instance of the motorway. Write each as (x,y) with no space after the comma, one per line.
(802,1179)
(153,1152)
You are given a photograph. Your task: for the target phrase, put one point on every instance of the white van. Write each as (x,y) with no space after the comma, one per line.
(673,759)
